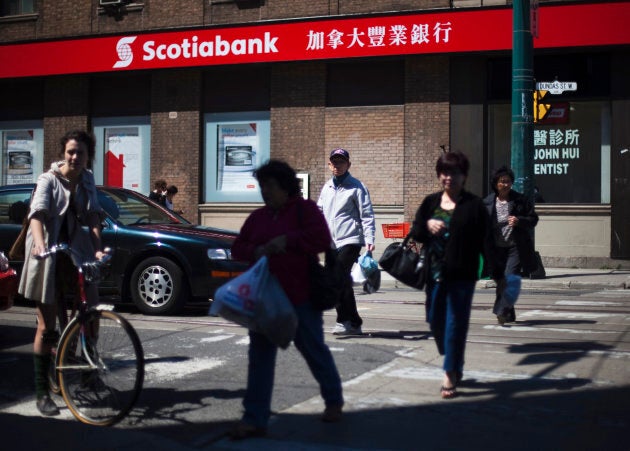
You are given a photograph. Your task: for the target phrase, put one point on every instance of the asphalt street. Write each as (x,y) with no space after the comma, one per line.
(558,378)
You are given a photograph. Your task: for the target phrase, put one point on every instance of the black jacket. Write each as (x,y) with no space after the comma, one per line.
(523,209)
(470,236)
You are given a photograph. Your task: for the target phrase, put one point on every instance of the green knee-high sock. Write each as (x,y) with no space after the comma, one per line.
(42,365)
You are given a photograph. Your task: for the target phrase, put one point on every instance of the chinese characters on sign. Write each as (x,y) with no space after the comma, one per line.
(380,36)
(554,150)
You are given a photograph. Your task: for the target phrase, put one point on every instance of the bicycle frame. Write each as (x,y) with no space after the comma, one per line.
(97,389)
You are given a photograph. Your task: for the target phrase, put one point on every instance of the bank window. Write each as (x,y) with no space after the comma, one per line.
(22,152)
(235,144)
(571,150)
(16,7)
(123,147)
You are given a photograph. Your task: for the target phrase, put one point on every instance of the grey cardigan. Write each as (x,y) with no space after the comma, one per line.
(52,200)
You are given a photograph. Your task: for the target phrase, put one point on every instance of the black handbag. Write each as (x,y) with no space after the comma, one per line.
(327,282)
(405,264)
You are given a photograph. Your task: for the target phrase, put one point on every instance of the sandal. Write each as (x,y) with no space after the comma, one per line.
(244,431)
(448,392)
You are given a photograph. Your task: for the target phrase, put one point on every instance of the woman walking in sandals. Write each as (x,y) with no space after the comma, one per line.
(455,227)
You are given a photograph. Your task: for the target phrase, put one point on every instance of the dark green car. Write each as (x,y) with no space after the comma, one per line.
(160,260)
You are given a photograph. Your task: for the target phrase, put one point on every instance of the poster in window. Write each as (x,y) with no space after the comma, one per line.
(19,148)
(237,146)
(123,158)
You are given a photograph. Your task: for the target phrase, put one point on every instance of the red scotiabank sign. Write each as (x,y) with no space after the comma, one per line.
(452,31)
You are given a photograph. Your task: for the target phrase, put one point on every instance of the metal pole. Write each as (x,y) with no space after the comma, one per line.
(522,146)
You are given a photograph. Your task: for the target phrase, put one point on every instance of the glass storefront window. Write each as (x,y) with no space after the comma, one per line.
(235,145)
(571,150)
(22,152)
(123,152)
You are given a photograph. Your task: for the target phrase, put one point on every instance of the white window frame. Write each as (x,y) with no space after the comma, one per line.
(214,175)
(37,164)
(143,124)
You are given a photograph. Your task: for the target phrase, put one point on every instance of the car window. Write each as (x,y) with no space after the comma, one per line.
(128,209)
(14,206)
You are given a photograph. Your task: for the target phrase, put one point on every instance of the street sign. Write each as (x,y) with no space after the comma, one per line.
(556,87)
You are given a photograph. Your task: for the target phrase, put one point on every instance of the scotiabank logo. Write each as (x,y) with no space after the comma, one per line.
(125,54)
(194,48)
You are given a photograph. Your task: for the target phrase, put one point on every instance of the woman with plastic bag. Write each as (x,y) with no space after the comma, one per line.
(289,231)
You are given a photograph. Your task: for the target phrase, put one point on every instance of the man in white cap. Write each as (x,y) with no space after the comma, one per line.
(346,204)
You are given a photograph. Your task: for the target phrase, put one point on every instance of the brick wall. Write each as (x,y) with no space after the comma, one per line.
(65,108)
(375,138)
(297,119)
(426,126)
(175,135)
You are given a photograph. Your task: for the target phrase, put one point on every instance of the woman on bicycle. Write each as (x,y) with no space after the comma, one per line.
(63,203)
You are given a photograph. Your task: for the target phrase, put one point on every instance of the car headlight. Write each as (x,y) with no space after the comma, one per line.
(219,254)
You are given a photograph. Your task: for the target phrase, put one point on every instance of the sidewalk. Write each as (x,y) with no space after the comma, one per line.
(556,278)
(500,407)
(397,406)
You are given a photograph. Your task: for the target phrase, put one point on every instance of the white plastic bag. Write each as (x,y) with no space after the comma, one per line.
(256,300)
(358,278)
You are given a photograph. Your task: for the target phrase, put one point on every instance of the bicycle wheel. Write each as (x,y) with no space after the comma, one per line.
(53,383)
(100,367)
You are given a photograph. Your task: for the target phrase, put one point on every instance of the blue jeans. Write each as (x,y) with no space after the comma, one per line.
(507,258)
(309,340)
(449,316)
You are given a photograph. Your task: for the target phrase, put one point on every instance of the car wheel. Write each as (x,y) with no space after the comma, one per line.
(158,287)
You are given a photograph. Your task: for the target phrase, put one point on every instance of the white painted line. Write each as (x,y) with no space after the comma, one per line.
(546,329)
(216,338)
(243,341)
(566,315)
(161,371)
(587,303)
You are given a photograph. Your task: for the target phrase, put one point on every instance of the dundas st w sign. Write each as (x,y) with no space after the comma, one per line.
(450,31)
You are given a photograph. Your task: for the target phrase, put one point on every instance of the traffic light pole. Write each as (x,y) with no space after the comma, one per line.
(522,146)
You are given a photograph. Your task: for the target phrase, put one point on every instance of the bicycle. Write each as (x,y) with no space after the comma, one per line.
(99,360)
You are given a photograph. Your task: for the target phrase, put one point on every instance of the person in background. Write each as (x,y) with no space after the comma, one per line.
(289,230)
(347,206)
(513,219)
(64,208)
(159,192)
(168,199)
(455,227)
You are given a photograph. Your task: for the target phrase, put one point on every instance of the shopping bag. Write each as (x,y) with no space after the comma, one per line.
(404,264)
(358,278)
(256,300)
(367,263)
(274,315)
(235,299)
(327,282)
(372,283)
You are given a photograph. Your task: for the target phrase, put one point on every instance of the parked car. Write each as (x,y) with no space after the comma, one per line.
(160,260)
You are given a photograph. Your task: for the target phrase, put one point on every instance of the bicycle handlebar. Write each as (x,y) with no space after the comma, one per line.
(91,269)
(65,247)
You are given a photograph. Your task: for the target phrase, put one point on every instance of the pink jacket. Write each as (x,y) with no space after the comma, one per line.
(307,235)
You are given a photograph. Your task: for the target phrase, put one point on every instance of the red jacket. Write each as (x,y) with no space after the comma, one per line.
(307,235)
